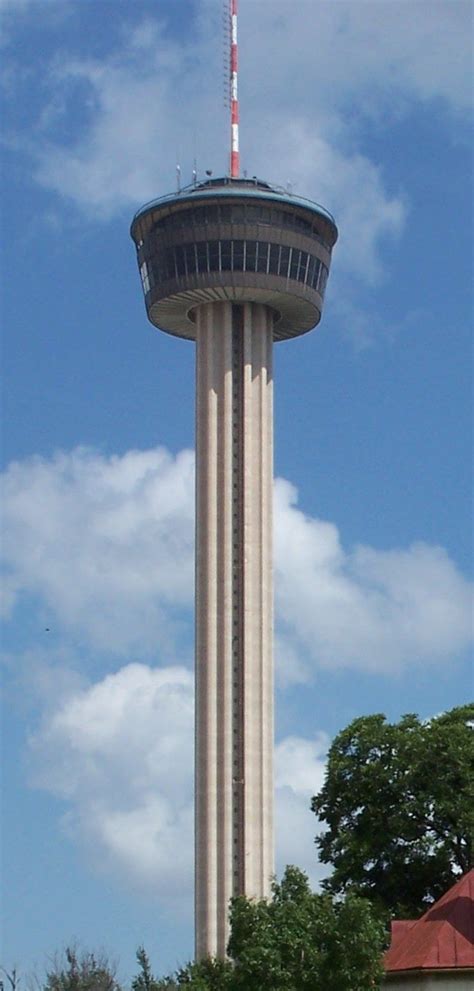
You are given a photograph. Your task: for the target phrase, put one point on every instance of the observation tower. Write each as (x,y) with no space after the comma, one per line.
(233,264)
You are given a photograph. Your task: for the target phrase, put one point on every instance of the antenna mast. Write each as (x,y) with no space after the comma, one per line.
(234,101)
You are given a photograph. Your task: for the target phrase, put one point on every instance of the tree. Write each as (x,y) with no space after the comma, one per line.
(398,800)
(298,941)
(206,975)
(12,977)
(81,972)
(145,980)
(301,941)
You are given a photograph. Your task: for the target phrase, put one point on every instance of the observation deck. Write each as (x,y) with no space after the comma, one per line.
(239,240)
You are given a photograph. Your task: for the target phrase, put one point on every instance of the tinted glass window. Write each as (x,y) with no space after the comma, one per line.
(253,214)
(211,214)
(238,214)
(323,279)
(145,277)
(201,248)
(295,258)
(262,256)
(179,255)
(284,260)
(170,266)
(190,258)
(302,268)
(250,257)
(265,216)
(274,258)
(213,256)
(317,270)
(225,256)
(238,256)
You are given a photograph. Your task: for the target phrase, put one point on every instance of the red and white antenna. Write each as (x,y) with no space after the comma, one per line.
(234,100)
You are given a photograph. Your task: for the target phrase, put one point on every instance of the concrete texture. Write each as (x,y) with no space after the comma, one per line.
(234,665)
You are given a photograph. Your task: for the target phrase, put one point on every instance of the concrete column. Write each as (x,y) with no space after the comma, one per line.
(234,614)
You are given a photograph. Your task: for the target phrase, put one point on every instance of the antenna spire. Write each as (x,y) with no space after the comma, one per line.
(234,101)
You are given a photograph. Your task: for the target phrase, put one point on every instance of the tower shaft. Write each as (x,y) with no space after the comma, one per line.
(234,613)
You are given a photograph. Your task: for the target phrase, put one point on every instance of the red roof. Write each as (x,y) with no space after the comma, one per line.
(442,938)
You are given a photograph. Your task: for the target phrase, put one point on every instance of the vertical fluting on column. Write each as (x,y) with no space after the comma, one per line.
(257,598)
(213,779)
(234,667)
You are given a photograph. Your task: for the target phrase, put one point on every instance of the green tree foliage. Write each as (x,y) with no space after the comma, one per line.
(145,980)
(81,972)
(300,941)
(398,800)
(206,975)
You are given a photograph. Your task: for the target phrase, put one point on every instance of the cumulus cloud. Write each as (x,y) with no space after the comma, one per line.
(364,607)
(299,774)
(106,546)
(119,753)
(366,57)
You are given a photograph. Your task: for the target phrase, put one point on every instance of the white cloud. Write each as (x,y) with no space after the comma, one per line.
(365,608)
(106,545)
(299,774)
(119,753)
(359,56)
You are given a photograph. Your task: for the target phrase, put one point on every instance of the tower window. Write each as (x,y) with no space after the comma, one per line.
(226,257)
(303,266)
(262,260)
(213,256)
(323,279)
(274,258)
(233,256)
(180,263)
(145,277)
(238,256)
(202,256)
(250,256)
(190,250)
(295,261)
(284,261)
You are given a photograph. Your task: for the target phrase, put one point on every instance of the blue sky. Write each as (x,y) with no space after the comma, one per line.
(364,107)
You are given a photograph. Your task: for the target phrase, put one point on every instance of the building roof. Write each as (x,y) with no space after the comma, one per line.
(247,188)
(442,939)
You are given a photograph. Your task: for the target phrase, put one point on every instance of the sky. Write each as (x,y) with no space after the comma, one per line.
(365,107)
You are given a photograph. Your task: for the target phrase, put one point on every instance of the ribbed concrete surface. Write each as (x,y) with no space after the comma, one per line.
(234,621)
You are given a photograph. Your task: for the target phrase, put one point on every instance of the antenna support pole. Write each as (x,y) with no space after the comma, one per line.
(234,100)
